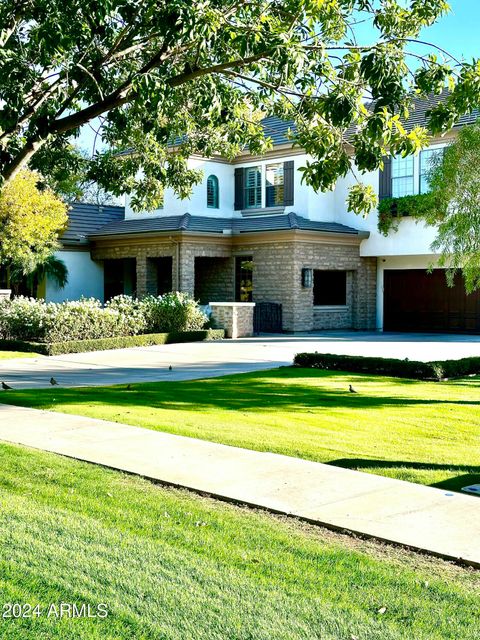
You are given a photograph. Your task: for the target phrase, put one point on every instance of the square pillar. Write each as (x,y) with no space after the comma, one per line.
(235,317)
(186,276)
(142,289)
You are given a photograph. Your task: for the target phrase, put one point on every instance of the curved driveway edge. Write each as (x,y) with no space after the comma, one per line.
(197,360)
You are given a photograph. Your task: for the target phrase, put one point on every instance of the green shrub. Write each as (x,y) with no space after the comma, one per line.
(174,311)
(22,318)
(392,210)
(436,370)
(86,319)
(131,311)
(104,344)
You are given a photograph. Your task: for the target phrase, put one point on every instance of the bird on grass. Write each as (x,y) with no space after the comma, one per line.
(53,382)
(351,389)
(5,386)
(128,387)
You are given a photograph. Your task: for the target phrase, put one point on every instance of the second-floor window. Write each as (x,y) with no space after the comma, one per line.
(402,177)
(212,192)
(274,185)
(253,188)
(427,162)
(265,186)
(408,176)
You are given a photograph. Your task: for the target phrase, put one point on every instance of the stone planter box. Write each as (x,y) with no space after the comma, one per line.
(5,293)
(235,317)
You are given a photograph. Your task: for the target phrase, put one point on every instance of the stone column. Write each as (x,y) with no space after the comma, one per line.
(186,278)
(141,275)
(235,317)
(365,294)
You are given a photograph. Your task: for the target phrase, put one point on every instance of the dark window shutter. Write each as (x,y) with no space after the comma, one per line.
(288,175)
(385,182)
(239,180)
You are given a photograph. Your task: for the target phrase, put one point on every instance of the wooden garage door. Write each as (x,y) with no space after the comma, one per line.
(415,300)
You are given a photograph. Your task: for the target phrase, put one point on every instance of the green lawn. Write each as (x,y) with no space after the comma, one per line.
(174,566)
(6,355)
(417,431)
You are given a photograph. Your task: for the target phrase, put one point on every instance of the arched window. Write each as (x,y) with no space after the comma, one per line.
(212,192)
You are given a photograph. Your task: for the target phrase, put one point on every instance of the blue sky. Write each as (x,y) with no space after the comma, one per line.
(458,32)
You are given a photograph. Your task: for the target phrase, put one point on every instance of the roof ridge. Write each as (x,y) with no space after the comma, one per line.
(293,220)
(185,221)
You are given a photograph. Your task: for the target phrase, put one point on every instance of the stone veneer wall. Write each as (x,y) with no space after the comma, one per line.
(191,250)
(330,257)
(214,280)
(273,275)
(235,317)
(276,276)
(141,253)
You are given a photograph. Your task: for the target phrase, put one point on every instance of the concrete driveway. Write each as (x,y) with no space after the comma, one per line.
(210,359)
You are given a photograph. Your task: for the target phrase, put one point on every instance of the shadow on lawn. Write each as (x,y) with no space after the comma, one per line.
(247,392)
(470,474)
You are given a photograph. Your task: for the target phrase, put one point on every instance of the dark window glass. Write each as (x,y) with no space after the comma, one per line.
(428,160)
(402,176)
(212,192)
(329,288)
(244,279)
(120,277)
(274,181)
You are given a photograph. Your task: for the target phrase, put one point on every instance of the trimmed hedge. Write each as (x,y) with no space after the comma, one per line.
(104,344)
(436,370)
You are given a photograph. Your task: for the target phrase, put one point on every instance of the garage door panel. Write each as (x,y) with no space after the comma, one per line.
(415,300)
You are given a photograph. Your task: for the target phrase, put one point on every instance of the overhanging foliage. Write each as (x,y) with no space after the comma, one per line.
(203,73)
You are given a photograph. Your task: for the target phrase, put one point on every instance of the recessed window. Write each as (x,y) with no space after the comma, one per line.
(428,159)
(402,177)
(253,188)
(212,192)
(329,288)
(243,278)
(274,194)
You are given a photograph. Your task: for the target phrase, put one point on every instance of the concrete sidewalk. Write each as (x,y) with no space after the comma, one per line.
(432,520)
(209,359)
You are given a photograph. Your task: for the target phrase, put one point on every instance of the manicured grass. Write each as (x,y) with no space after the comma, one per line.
(174,566)
(6,355)
(418,431)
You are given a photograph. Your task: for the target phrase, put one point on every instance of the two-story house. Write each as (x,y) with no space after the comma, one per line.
(251,231)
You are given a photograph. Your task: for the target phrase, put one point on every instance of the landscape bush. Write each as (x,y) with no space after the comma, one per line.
(435,370)
(87,319)
(174,311)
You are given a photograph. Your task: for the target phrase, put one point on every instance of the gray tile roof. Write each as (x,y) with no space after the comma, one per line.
(84,219)
(418,114)
(203,224)
(277,129)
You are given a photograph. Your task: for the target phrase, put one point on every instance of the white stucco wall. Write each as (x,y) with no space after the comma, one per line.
(197,204)
(412,238)
(307,203)
(85,278)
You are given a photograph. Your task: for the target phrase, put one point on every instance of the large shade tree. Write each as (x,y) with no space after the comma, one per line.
(203,73)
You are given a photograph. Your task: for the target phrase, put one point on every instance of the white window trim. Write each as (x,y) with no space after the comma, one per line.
(331,307)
